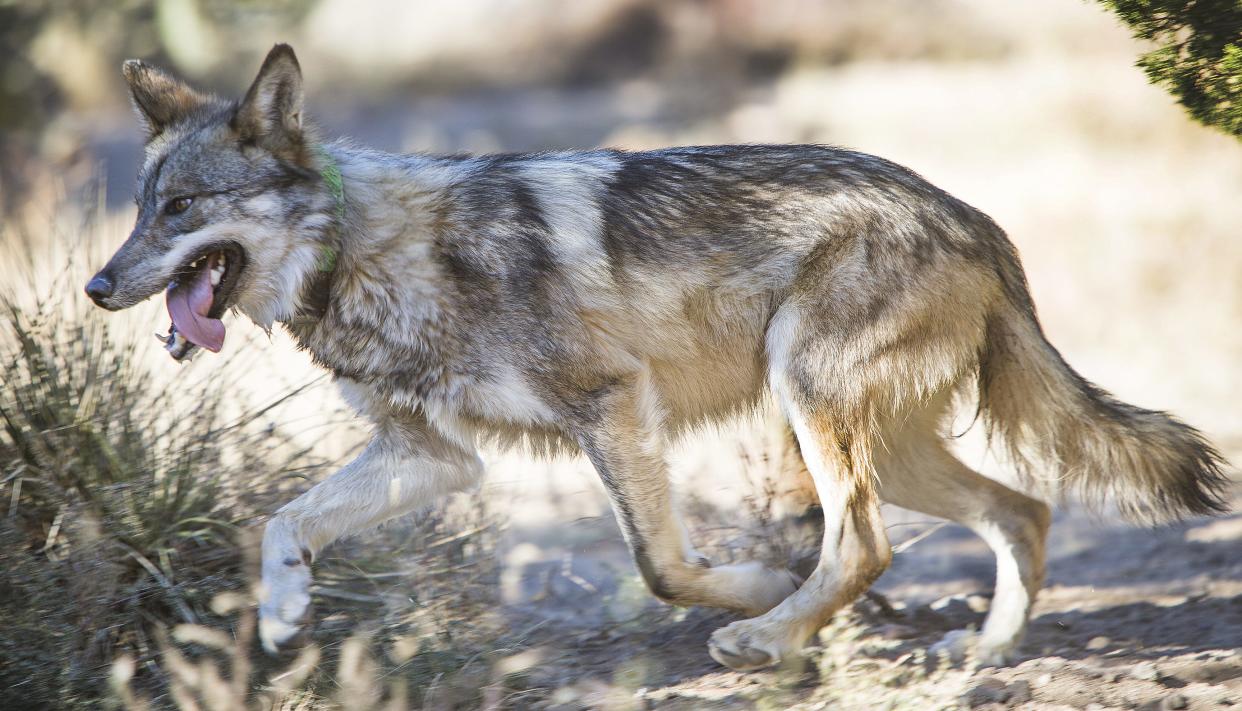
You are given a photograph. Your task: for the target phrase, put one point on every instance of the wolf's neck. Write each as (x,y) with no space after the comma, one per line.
(392,206)
(384,279)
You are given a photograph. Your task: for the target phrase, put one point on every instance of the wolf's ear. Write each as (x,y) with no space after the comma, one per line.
(271,113)
(160,100)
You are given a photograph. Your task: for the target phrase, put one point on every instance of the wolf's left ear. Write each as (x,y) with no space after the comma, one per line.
(271,113)
(161,100)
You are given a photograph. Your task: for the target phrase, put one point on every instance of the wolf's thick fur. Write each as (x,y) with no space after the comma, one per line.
(604,301)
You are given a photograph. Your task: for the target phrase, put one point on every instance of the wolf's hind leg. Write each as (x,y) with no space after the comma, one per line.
(917,472)
(626,446)
(407,466)
(855,548)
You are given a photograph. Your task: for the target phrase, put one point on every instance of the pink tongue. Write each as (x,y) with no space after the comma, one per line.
(188,305)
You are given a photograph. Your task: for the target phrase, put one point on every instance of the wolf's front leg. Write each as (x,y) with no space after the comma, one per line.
(405,467)
(626,446)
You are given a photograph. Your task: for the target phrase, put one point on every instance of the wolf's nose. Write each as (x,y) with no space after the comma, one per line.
(99,288)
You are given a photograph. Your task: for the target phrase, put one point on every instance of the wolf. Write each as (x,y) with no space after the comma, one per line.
(605,302)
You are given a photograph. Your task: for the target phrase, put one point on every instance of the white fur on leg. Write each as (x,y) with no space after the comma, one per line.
(284,593)
(781,632)
(405,468)
(1017,577)
(918,473)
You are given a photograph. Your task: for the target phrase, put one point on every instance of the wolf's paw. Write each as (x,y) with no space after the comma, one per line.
(998,653)
(284,593)
(747,645)
(957,645)
(284,607)
(276,632)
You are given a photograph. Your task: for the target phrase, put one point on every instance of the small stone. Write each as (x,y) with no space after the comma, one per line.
(1171,681)
(1176,701)
(1145,671)
(988,691)
(1098,643)
(1019,691)
(1043,680)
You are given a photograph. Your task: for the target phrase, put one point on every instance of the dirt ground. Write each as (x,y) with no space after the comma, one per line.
(1129,618)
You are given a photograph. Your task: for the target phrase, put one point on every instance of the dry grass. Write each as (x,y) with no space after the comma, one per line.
(131,497)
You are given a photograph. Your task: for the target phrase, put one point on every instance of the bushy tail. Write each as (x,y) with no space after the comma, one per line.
(1154,467)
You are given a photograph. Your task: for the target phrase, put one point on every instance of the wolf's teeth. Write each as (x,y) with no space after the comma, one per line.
(216,275)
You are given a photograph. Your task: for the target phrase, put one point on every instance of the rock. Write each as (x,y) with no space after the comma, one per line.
(954,645)
(1176,701)
(1171,681)
(988,691)
(1098,643)
(1146,671)
(1043,680)
(1019,691)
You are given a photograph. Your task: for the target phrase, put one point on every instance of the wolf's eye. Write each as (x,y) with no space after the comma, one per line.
(176,206)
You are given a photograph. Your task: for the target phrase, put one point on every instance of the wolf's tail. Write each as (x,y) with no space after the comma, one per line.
(1154,467)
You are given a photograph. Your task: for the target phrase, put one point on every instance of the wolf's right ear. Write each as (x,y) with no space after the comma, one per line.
(160,100)
(271,114)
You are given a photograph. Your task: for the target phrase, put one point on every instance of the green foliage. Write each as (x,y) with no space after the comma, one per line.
(1199,57)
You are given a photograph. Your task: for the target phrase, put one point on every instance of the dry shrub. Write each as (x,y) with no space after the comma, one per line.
(130,503)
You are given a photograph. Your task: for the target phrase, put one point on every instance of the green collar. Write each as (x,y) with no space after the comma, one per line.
(330,172)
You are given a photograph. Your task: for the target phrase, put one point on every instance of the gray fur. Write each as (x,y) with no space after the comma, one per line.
(604,301)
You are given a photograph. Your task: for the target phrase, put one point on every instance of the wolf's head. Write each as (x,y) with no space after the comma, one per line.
(233,205)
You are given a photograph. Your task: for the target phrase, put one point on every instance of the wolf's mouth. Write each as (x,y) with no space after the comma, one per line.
(198,296)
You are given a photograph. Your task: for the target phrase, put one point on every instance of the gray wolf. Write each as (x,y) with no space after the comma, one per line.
(604,302)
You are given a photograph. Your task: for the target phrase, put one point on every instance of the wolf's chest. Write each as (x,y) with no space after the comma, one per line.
(411,373)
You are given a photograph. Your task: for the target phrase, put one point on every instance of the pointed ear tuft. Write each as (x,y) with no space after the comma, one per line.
(271,113)
(159,99)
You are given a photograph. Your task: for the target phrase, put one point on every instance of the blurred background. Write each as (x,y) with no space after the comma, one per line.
(1126,214)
